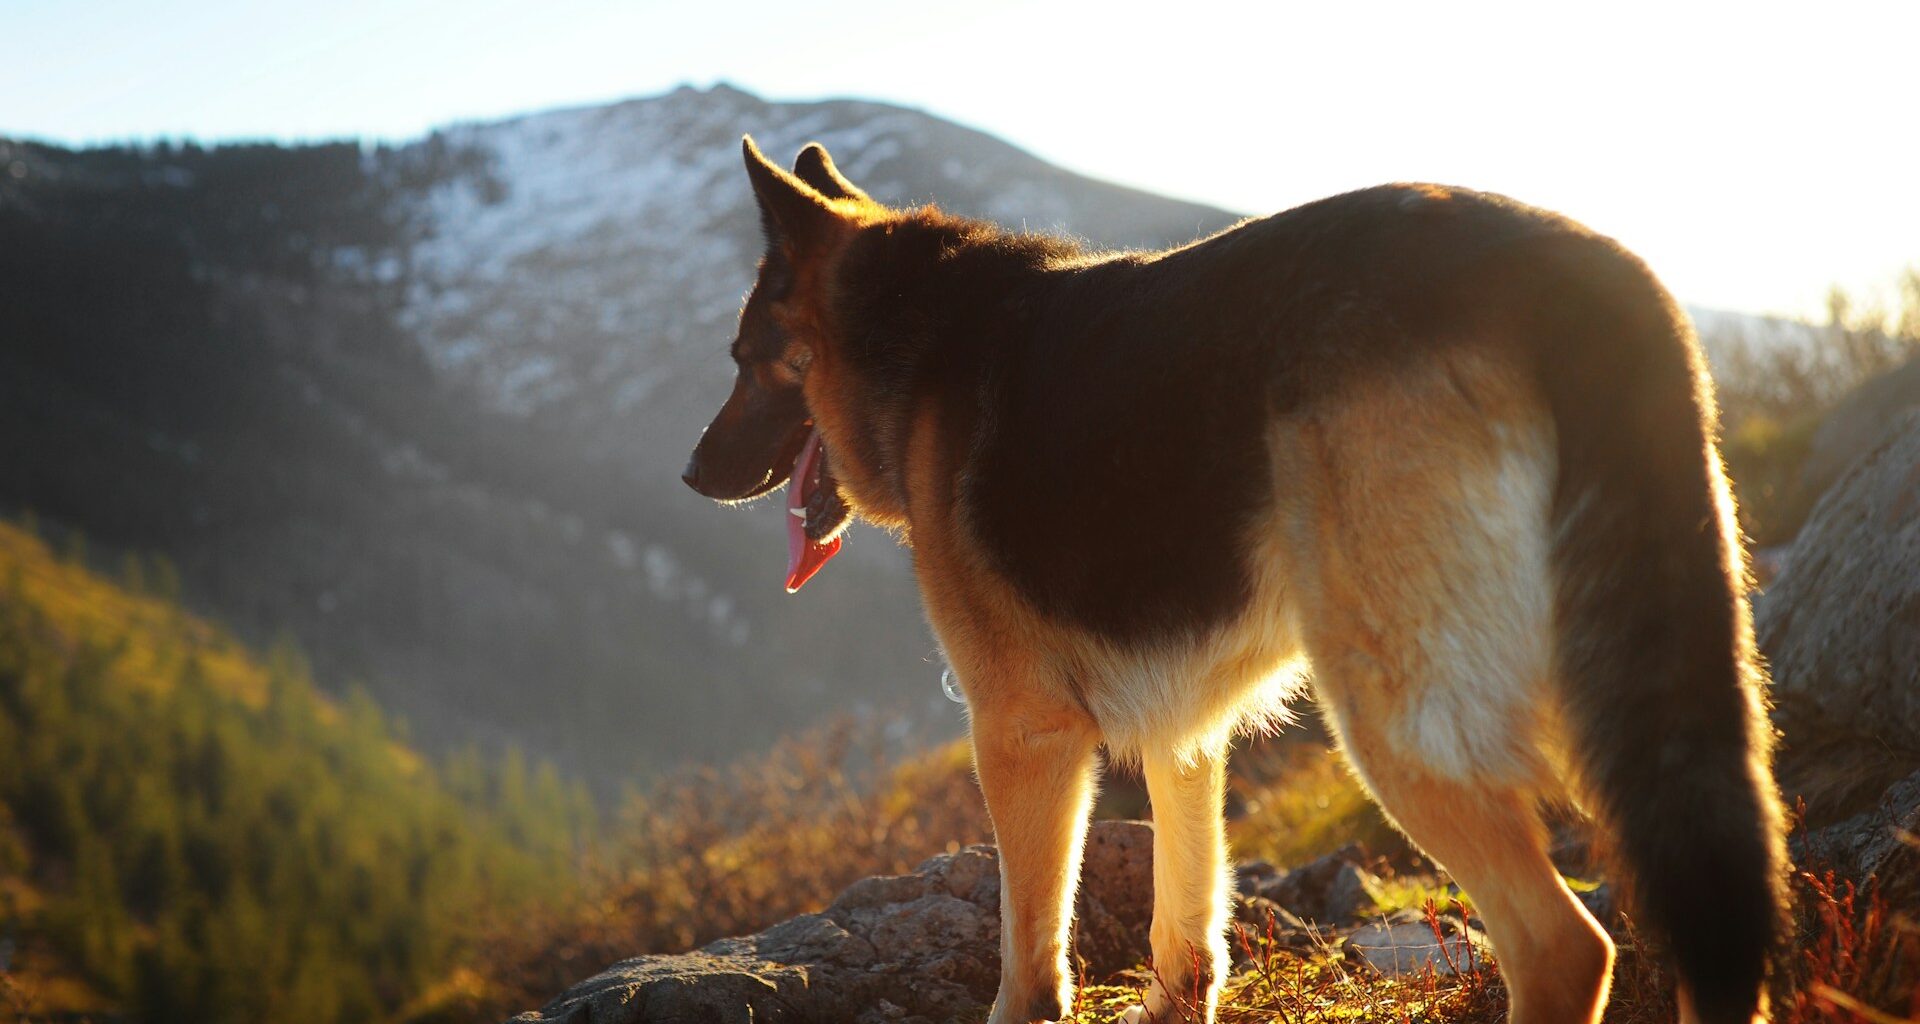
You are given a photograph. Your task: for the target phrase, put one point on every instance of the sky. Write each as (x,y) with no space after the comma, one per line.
(1754,153)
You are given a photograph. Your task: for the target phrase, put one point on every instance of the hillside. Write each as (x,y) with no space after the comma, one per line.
(423,408)
(191,832)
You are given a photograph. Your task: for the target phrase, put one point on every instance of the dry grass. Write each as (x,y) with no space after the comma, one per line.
(1854,961)
(1283,983)
(712,852)
(1298,801)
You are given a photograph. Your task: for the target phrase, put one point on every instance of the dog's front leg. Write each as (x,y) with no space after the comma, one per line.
(1191,887)
(1034,757)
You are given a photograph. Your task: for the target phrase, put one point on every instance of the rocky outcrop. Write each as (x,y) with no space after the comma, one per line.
(1840,627)
(924,947)
(917,947)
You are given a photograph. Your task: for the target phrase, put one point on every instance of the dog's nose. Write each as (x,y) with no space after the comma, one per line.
(691,474)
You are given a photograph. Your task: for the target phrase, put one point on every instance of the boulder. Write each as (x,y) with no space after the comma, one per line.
(1856,425)
(1840,627)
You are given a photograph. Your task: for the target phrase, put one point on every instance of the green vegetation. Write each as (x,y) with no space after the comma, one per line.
(189,834)
(1298,802)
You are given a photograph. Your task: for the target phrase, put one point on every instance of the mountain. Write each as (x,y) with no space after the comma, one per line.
(422,408)
(592,273)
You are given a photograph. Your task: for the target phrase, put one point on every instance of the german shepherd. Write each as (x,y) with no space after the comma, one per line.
(1454,453)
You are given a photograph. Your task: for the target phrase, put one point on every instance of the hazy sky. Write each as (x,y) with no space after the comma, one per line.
(1754,152)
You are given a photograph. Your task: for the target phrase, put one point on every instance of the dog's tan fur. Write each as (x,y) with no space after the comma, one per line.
(1403,552)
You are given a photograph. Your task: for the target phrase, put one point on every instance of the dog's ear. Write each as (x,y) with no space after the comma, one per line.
(816,168)
(791,210)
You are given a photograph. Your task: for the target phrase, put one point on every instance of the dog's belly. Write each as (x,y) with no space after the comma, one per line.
(1193,693)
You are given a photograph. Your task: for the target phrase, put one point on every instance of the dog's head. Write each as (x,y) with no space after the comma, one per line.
(765,433)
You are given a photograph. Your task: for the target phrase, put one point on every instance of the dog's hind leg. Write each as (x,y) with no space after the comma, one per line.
(1556,959)
(1034,757)
(1438,680)
(1430,622)
(1190,887)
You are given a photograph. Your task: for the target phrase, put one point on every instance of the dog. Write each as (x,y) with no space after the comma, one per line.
(1452,455)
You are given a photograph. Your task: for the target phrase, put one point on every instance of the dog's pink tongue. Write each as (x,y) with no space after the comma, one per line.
(805,555)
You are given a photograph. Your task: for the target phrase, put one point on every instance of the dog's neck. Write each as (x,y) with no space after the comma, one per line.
(923,308)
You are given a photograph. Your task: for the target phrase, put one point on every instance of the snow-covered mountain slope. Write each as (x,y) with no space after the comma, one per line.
(593,269)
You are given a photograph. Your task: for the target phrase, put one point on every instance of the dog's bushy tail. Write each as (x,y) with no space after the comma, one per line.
(1654,639)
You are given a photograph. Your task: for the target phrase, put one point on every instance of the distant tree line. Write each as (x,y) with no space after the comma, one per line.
(206,838)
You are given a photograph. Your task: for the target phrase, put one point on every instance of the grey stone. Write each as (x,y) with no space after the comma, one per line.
(1257,913)
(1115,905)
(1354,893)
(1402,947)
(1249,876)
(1857,424)
(1877,844)
(1841,631)
(694,988)
(1335,889)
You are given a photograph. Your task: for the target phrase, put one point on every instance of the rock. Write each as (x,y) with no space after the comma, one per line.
(1258,921)
(1840,627)
(901,948)
(1355,893)
(1878,844)
(1857,424)
(1259,914)
(693,987)
(1249,876)
(1406,944)
(1336,889)
(1115,906)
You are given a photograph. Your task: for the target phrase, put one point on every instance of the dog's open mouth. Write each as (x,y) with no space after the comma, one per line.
(815,513)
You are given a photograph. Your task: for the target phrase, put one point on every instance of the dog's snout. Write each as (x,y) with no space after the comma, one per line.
(691,474)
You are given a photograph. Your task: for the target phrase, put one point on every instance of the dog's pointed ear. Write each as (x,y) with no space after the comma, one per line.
(790,209)
(816,168)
